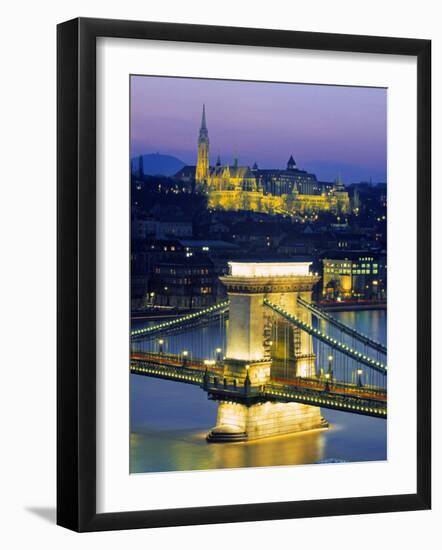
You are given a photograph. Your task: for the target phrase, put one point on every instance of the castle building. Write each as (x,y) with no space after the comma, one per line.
(275,191)
(284,182)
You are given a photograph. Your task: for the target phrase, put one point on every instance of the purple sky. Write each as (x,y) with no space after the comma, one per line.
(328,129)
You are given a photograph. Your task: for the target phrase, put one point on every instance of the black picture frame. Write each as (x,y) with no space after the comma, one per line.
(76,273)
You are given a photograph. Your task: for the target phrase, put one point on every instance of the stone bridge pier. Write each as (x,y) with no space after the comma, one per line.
(258,348)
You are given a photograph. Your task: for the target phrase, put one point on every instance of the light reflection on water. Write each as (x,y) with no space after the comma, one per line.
(187,451)
(169,422)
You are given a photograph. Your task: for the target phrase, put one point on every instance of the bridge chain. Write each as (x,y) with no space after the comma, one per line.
(180,322)
(342,327)
(332,342)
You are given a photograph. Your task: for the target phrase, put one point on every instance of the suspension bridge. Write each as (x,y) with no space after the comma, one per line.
(278,358)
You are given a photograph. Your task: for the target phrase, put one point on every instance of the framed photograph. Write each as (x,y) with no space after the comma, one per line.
(243,274)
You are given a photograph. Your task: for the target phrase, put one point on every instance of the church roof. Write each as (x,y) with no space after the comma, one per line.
(240,172)
(217,170)
(275,172)
(233,171)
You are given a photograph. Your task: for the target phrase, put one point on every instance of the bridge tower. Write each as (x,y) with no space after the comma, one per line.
(257,352)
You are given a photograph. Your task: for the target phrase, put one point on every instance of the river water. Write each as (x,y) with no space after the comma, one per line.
(169,421)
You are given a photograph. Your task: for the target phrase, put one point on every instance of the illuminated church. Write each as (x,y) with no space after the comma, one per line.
(236,187)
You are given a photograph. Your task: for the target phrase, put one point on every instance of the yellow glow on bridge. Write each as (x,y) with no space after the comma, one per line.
(269,269)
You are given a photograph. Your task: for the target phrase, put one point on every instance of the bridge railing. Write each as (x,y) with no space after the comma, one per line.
(216,370)
(174,360)
(332,385)
(329,400)
(173,373)
(358,400)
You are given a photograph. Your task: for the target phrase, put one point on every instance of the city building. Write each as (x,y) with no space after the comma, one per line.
(168,226)
(209,246)
(357,275)
(274,191)
(306,243)
(187,281)
(174,229)
(143,226)
(145,253)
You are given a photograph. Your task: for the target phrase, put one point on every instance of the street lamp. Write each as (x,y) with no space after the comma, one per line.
(218,354)
(185,354)
(247,382)
(330,369)
(359,372)
(151,298)
(160,345)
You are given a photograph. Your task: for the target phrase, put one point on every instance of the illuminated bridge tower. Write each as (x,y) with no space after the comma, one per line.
(259,347)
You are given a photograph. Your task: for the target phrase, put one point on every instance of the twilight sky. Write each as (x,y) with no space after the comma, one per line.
(330,130)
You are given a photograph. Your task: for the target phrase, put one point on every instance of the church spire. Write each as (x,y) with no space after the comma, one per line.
(235,159)
(202,163)
(204,133)
(203,118)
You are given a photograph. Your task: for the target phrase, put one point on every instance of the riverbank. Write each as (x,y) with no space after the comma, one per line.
(351,306)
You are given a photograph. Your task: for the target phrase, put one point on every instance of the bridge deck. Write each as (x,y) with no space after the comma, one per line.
(342,396)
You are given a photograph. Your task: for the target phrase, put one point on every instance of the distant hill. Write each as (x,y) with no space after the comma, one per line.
(156,164)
